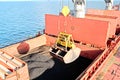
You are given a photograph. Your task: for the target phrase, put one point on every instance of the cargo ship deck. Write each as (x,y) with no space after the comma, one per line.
(98,42)
(110,68)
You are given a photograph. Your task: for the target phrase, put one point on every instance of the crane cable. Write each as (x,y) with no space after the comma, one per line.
(65,20)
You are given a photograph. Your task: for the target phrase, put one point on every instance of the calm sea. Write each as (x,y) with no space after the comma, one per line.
(22,20)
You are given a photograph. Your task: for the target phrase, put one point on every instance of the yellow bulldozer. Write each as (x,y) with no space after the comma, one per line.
(65,49)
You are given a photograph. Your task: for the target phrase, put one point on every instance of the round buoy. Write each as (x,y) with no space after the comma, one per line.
(23,48)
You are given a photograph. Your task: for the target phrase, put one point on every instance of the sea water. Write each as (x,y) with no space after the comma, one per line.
(22,20)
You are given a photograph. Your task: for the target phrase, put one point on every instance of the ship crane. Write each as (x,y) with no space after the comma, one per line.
(79,8)
(64,48)
(109,4)
(80,5)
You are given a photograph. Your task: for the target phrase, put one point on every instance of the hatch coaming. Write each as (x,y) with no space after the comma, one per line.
(92,33)
(82,29)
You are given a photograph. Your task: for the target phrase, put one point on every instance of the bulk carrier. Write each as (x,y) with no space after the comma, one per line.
(76,45)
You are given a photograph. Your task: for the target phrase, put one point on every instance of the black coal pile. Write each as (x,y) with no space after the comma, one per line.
(42,66)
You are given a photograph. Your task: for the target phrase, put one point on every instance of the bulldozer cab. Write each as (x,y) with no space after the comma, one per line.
(64,48)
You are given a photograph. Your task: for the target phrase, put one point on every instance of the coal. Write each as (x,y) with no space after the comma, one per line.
(42,66)
(37,62)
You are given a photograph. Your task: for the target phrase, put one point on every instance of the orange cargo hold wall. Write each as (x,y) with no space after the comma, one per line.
(112,20)
(107,13)
(85,30)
